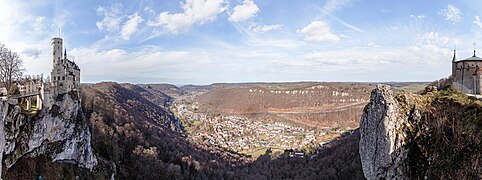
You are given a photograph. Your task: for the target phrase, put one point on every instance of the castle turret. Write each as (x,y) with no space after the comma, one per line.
(57,74)
(56,50)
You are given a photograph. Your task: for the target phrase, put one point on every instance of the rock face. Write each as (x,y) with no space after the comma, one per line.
(435,135)
(59,132)
(383,141)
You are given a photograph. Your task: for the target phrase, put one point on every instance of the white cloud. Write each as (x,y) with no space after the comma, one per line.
(265,54)
(149,10)
(61,17)
(409,56)
(420,16)
(17,22)
(331,5)
(117,23)
(318,31)
(394,28)
(174,23)
(266,28)
(451,13)
(155,64)
(115,62)
(434,38)
(423,46)
(282,43)
(477,21)
(39,24)
(203,11)
(329,8)
(430,49)
(362,64)
(26,33)
(373,45)
(345,23)
(112,18)
(194,12)
(130,26)
(386,11)
(244,12)
(31,52)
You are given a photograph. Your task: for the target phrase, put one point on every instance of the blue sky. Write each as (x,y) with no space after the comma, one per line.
(207,41)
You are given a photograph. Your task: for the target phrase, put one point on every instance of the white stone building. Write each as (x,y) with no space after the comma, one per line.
(65,75)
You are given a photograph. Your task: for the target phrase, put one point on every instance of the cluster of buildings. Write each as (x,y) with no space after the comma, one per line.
(245,135)
(38,91)
(241,134)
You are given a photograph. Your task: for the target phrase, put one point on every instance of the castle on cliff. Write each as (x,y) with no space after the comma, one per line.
(65,75)
(467,74)
(37,91)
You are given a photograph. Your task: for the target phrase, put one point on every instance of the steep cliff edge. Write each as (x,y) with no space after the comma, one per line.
(59,132)
(408,136)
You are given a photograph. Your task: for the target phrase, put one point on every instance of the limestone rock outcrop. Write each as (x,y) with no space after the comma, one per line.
(59,132)
(384,138)
(433,135)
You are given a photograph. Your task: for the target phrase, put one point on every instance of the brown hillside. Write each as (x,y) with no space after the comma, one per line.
(313,104)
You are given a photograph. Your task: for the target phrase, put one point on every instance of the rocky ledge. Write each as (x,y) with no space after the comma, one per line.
(59,132)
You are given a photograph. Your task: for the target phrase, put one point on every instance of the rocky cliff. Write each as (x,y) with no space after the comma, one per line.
(59,132)
(435,135)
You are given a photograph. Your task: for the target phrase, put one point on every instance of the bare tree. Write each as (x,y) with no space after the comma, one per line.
(11,66)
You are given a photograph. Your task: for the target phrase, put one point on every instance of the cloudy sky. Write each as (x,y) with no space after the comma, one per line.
(207,41)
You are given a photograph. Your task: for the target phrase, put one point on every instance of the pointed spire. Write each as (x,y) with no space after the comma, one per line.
(454,59)
(65,53)
(475,44)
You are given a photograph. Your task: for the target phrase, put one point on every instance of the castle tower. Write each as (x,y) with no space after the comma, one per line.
(57,44)
(58,72)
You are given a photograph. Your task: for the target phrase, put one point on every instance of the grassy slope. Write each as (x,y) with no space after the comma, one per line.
(450,136)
